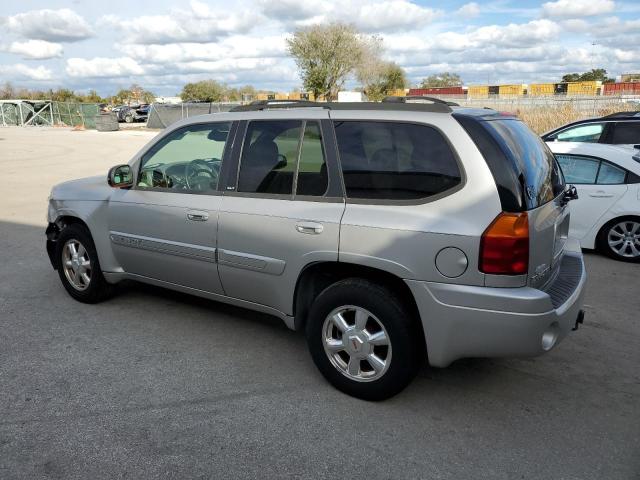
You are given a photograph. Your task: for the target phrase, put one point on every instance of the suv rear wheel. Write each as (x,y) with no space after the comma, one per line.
(78,265)
(363,339)
(620,239)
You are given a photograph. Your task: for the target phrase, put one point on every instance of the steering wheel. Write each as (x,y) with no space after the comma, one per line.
(199,175)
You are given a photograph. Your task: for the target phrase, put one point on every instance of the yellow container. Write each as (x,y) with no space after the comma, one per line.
(511,90)
(282,96)
(478,91)
(584,88)
(398,92)
(541,89)
(262,96)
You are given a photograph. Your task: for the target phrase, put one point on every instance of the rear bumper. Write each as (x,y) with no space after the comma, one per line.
(467,321)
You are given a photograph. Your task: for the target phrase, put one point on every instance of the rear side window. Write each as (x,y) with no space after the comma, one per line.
(394,161)
(626,132)
(526,172)
(588,170)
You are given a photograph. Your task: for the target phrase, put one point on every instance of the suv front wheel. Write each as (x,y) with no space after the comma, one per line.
(363,339)
(78,265)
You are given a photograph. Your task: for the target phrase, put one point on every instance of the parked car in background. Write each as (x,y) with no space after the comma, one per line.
(606,215)
(617,129)
(382,230)
(134,113)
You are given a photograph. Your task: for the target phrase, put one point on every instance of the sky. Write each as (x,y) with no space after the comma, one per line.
(163,44)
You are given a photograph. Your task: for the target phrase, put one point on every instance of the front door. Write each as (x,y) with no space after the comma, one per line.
(282,209)
(165,227)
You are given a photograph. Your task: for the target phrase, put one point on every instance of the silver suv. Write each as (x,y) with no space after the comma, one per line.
(387,232)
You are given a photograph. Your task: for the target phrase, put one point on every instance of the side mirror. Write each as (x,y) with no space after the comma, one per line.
(120,176)
(570,193)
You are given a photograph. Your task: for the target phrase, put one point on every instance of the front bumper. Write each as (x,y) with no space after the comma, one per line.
(462,321)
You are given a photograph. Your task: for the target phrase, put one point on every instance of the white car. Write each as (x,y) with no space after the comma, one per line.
(606,215)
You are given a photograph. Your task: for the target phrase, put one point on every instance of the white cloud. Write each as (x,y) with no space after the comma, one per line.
(103,67)
(21,71)
(197,24)
(469,10)
(36,49)
(577,8)
(62,25)
(380,16)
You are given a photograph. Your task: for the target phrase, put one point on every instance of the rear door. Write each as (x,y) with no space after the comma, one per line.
(600,185)
(281,208)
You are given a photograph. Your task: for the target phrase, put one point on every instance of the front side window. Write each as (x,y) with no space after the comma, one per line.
(577,169)
(626,132)
(590,133)
(394,161)
(187,160)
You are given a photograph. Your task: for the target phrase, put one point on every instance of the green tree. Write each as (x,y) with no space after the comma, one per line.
(444,79)
(598,74)
(379,77)
(327,54)
(92,97)
(63,95)
(204,91)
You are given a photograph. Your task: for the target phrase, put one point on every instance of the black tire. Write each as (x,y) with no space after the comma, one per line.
(97,289)
(404,336)
(128,118)
(602,242)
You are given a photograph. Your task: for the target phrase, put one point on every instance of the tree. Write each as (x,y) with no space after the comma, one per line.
(63,95)
(444,79)
(597,74)
(379,77)
(204,91)
(7,91)
(327,54)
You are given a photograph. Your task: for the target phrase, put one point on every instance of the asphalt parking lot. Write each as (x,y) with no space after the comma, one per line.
(159,384)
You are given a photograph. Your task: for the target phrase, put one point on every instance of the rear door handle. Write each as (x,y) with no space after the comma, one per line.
(601,194)
(311,228)
(196,216)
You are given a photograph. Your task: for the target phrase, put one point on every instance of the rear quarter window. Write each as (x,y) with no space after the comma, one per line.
(526,172)
(395,161)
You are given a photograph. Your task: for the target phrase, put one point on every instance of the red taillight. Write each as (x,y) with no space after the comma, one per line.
(504,246)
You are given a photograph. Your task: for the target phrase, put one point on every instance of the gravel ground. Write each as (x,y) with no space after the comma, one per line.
(158,384)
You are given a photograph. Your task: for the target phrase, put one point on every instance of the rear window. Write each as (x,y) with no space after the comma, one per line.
(394,161)
(525,170)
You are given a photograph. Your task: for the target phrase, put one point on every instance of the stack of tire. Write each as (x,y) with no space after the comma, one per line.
(107,122)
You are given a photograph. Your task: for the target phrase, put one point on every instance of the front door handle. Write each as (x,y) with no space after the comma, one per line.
(196,216)
(601,194)
(311,228)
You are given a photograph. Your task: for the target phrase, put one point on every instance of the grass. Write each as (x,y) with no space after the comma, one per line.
(553,114)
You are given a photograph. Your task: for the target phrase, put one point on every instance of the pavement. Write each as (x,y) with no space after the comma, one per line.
(156,384)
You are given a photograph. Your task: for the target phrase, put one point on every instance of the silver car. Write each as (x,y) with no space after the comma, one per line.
(387,232)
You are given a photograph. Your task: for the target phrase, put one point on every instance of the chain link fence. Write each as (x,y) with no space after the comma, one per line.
(162,115)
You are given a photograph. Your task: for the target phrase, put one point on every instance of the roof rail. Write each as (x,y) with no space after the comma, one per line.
(264,104)
(418,99)
(440,107)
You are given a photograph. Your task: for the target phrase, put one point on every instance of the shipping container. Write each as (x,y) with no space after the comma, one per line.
(494,90)
(511,90)
(623,88)
(398,92)
(281,96)
(630,77)
(436,91)
(478,91)
(584,88)
(541,89)
(560,88)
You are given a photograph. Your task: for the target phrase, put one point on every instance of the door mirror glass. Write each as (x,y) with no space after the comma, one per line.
(120,176)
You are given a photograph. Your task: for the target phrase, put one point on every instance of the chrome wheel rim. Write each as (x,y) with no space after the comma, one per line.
(624,239)
(76,264)
(356,343)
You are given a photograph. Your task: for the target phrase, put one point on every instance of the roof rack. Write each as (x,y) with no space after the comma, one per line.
(418,99)
(440,106)
(265,104)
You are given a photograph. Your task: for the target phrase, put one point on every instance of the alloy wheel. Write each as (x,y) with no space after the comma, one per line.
(624,239)
(76,264)
(356,343)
